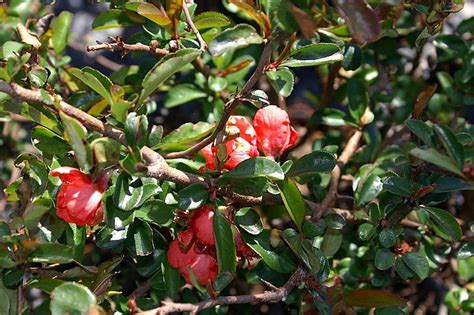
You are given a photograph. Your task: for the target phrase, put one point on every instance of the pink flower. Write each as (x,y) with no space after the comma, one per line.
(238,149)
(204,267)
(274,133)
(79,199)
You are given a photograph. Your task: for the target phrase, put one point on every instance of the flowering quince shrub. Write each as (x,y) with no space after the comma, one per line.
(327,169)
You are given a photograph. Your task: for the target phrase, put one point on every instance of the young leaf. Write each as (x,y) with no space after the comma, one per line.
(210,19)
(293,201)
(313,55)
(225,246)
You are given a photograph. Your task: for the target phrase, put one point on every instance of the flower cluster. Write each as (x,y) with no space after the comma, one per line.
(194,249)
(271,134)
(79,199)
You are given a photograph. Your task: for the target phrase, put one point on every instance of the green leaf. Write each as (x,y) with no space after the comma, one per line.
(93,82)
(132,193)
(352,57)
(397,185)
(335,221)
(76,135)
(422,130)
(303,249)
(387,238)
(172,279)
(444,223)
(402,269)
(192,197)
(449,184)
(61,28)
(434,157)
(49,142)
(76,238)
(71,298)
(165,68)
(241,35)
(313,55)
(369,189)
(384,259)
(450,143)
(140,238)
(417,263)
(278,261)
(282,80)
(332,241)
(33,112)
(329,117)
(311,229)
(466,251)
(38,77)
(293,200)
(373,298)
(156,212)
(313,163)
(150,11)
(249,220)
(358,98)
(116,19)
(45,285)
(365,231)
(210,19)
(52,254)
(136,130)
(257,167)
(35,211)
(186,134)
(9,301)
(225,247)
(182,94)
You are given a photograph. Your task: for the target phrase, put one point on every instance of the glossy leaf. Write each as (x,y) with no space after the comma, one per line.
(361,19)
(76,135)
(450,143)
(257,167)
(241,35)
(384,259)
(93,82)
(71,298)
(313,55)
(248,220)
(332,241)
(387,238)
(369,189)
(282,80)
(192,197)
(165,68)
(210,19)
(444,223)
(417,263)
(182,94)
(131,193)
(61,31)
(52,253)
(293,200)
(397,185)
(185,134)
(434,157)
(422,130)
(225,246)
(313,163)
(466,251)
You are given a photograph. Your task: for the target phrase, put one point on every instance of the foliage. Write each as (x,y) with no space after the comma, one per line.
(373,197)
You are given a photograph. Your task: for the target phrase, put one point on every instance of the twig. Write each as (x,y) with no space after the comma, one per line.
(121,46)
(189,20)
(156,165)
(229,108)
(346,154)
(266,297)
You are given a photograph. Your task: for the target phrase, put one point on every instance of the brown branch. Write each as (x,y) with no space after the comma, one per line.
(189,20)
(121,46)
(351,147)
(229,107)
(156,165)
(266,297)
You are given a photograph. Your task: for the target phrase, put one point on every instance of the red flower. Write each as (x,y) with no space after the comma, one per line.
(181,255)
(274,133)
(79,199)
(238,149)
(204,267)
(202,225)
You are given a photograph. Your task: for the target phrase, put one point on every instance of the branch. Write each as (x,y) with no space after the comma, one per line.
(189,20)
(156,165)
(346,154)
(121,46)
(229,107)
(266,297)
